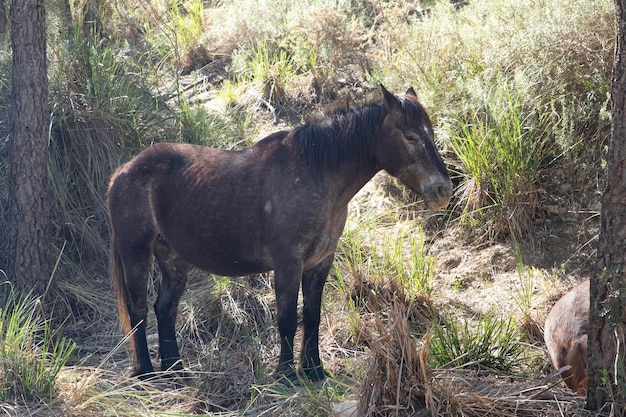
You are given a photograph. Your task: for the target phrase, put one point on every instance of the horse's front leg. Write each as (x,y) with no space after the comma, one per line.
(287,277)
(313,282)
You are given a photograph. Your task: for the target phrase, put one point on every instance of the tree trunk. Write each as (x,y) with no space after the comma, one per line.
(29,192)
(606,380)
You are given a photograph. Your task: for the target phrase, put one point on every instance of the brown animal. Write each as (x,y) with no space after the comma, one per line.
(565,334)
(279,205)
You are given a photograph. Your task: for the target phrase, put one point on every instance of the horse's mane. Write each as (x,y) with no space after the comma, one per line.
(327,142)
(345,133)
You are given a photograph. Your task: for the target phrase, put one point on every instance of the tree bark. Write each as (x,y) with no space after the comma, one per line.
(29,264)
(606,380)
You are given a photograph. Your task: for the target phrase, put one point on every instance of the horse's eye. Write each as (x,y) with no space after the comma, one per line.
(411,137)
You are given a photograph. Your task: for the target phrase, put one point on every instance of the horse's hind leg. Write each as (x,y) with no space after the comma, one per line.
(171,287)
(312,288)
(136,269)
(132,235)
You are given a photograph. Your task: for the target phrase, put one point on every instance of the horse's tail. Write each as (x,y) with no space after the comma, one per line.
(119,285)
(117,267)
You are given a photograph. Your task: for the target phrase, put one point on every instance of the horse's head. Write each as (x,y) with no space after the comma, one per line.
(405,148)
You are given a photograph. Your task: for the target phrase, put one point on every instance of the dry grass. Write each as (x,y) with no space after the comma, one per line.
(396,381)
(502,396)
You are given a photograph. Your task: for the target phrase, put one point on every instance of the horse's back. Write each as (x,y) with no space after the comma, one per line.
(174,169)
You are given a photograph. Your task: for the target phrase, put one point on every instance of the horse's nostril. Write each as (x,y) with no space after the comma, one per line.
(445,189)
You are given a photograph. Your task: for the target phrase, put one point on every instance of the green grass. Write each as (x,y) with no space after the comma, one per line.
(231,130)
(386,256)
(33,353)
(188,22)
(491,343)
(267,67)
(501,150)
(512,92)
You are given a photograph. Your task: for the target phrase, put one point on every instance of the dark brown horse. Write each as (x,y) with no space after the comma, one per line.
(279,205)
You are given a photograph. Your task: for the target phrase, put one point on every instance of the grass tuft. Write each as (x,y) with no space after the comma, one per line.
(32,354)
(501,152)
(491,343)
(397,380)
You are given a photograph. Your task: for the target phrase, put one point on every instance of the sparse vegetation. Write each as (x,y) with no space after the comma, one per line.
(518,94)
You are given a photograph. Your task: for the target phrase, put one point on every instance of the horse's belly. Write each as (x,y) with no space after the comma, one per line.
(235,268)
(224,257)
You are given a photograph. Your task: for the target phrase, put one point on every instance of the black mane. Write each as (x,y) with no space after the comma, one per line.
(344,135)
(328,142)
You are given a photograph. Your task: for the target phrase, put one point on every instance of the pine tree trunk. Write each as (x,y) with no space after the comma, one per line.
(606,379)
(29,192)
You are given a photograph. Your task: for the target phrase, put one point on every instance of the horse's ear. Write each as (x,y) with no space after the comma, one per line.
(411,92)
(391,101)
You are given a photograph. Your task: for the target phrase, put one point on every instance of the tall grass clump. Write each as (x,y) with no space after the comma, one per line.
(396,258)
(267,67)
(233,130)
(405,257)
(188,21)
(377,264)
(397,380)
(32,353)
(103,114)
(501,151)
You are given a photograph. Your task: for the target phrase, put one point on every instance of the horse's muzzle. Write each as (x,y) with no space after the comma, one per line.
(437,196)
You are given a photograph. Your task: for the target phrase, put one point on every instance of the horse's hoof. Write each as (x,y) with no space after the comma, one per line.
(287,377)
(181,376)
(142,374)
(315,374)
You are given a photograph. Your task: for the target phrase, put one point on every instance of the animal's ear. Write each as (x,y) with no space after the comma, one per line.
(391,102)
(411,92)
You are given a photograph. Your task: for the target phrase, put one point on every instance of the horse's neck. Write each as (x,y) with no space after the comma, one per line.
(347,179)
